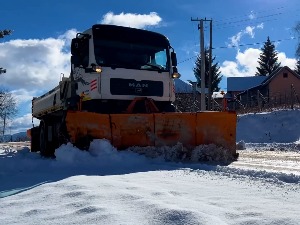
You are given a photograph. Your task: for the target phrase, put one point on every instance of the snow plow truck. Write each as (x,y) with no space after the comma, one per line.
(121,88)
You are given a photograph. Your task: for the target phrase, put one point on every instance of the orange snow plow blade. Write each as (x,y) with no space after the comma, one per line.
(155,129)
(82,125)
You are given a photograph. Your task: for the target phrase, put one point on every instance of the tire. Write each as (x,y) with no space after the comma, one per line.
(35,139)
(43,140)
(46,148)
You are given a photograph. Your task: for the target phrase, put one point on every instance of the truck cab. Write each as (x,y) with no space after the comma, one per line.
(113,65)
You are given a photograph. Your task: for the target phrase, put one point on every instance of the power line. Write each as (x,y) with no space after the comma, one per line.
(248,19)
(239,21)
(188,59)
(257,43)
(248,24)
(247,15)
(240,45)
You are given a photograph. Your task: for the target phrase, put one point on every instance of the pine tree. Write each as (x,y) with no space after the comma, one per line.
(5,32)
(297,29)
(297,69)
(215,72)
(2,34)
(267,59)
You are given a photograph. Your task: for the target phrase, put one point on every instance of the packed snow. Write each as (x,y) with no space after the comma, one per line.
(107,186)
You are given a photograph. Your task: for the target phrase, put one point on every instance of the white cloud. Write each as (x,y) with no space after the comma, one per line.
(234,40)
(23,95)
(132,20)
(247,61)
(230,69)
(248,58)
(21,124)
(33,67)
(68,36)
(35,64)
(245,64)
(249,30)
(252,15)
(290,62)
(260,26)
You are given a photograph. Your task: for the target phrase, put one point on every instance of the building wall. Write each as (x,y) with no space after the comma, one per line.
(280,85)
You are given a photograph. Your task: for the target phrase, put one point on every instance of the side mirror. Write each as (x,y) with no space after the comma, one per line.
(75,46)
(174,59)
(75,60)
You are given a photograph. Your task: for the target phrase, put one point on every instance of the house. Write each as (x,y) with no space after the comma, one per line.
(237,85)
(280,87)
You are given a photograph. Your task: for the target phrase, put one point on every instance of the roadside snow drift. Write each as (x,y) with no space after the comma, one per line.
(282,126)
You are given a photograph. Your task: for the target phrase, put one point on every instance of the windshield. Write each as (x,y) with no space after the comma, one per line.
(130,55)
(126,47)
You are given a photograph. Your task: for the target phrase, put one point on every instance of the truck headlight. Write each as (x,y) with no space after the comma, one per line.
(175,73)
(97,69)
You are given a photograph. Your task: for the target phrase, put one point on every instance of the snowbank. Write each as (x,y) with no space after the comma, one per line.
(282,126)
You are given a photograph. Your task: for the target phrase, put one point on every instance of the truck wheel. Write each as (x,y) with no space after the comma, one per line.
(35,139)
(44,145)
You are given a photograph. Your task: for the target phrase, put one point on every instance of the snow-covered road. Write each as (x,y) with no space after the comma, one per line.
(110,187)
(273,161)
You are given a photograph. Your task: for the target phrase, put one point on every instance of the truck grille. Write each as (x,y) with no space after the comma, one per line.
(120,86)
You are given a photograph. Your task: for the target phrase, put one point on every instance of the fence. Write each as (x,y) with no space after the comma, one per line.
(186,102)
(262,103)
(253,103)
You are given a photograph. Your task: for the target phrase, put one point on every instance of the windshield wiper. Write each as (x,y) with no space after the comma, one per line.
(152,65)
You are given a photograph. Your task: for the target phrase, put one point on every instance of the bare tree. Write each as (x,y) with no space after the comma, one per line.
(8,109)
(8,105)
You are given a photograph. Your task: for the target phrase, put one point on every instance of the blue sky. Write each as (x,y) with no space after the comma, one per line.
(37,52)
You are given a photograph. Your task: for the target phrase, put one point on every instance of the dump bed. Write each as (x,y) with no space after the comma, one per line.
(51,101)
(47,103)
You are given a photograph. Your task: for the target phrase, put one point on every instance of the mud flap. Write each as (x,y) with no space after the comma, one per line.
(34,135)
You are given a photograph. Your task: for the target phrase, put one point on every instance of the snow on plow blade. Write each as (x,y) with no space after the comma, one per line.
(157,129)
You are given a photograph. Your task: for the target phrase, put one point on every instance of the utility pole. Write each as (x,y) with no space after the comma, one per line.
(194,86)
(202,53)
(210,62)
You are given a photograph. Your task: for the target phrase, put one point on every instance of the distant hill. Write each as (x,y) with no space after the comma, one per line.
(22,136)
(182,86)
